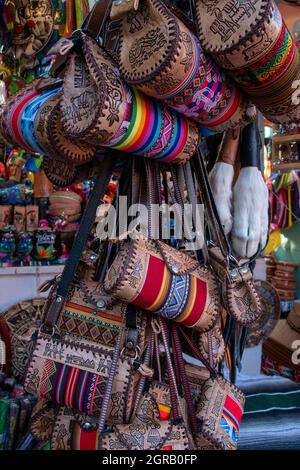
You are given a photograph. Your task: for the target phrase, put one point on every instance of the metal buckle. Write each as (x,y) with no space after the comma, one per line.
(136,349)
(54,330)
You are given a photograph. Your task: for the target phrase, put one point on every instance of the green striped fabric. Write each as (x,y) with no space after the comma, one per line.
(262,402)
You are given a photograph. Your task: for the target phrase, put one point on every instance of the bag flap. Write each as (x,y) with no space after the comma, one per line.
(121,8)
(243,302)
(178,262)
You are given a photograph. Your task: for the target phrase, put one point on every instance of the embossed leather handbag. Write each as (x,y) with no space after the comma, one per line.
(160,56)
(219,408)
(251,42)
(155,277)
(88,349)
(99,108)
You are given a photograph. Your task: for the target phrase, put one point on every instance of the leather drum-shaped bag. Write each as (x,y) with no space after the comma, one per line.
(31,119)
(251,42)
(161,57)
(99,108)
(153,276)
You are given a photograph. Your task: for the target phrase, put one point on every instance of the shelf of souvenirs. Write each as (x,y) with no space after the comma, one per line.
(285,138)
(285,166)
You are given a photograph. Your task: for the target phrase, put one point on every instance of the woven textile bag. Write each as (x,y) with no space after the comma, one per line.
(238,293)
(78,359)
(75,374)
(94,108)
(251,42)
(161,57)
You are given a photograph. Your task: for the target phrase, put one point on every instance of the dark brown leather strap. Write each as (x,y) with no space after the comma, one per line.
(94,22)
(87,221)
(197,353)
(210,206)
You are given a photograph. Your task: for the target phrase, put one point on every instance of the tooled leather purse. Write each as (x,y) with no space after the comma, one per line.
(239,296)
(98,108)
(94,343)
(213,413)
(218,409)
(92,107)
(154,425)
(156,277)
(159,55)
(252,43)
(71,370)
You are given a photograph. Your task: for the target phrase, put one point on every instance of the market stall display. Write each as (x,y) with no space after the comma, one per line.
(105,117)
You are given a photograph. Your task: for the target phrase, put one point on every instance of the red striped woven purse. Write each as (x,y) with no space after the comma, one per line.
(155,277)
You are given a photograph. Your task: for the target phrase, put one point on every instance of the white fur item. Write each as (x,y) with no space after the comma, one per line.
(250,212)
(221,177)
(244,210)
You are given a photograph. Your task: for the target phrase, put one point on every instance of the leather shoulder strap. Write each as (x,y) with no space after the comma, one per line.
(79,243)
(94,22)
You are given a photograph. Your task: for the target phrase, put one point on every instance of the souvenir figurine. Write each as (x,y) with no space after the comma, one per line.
(20,218)
(7,247)
(44,242)
(5,215)
(24,248)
